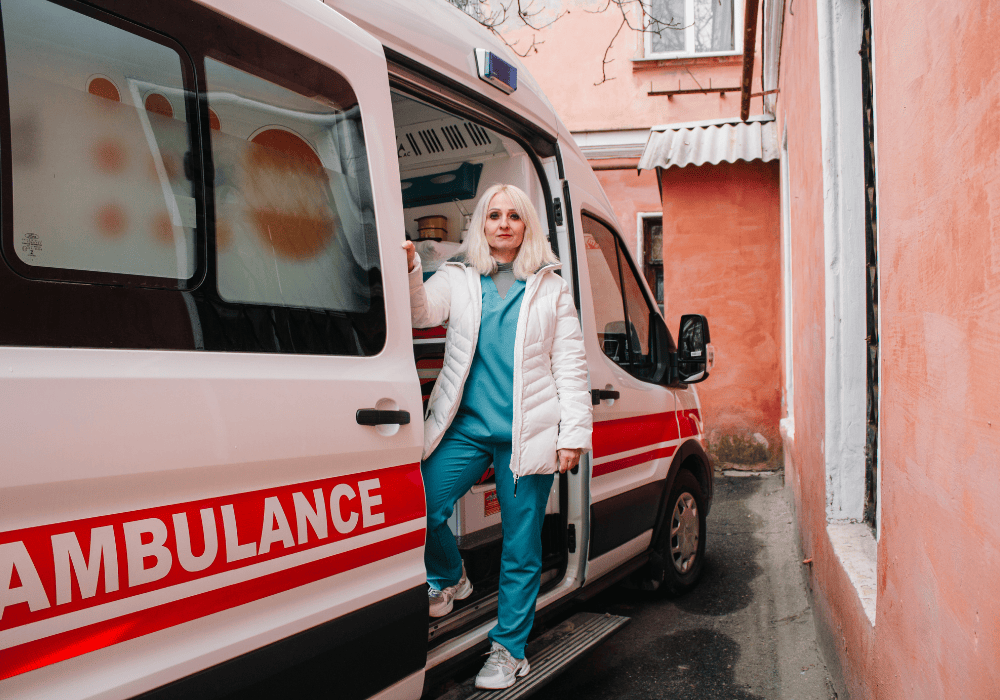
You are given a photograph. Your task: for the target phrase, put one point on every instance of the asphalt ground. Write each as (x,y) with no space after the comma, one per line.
(745,633)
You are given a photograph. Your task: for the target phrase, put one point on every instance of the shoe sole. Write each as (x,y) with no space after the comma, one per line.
(520,673)
(443,612)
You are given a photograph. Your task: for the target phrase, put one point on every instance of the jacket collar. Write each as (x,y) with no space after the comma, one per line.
(462,262)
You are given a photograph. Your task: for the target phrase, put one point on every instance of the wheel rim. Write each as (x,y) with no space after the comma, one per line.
(684,533)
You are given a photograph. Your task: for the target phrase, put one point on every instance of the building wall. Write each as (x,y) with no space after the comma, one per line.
(569,63)
(722,258)
(938,96)
(938,551)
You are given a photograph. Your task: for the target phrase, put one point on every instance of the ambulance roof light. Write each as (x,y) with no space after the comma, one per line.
(496,71)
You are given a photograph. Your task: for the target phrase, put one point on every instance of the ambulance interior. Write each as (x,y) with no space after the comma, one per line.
(446,162)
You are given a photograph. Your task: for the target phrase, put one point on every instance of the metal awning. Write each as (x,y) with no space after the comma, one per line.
(714,141)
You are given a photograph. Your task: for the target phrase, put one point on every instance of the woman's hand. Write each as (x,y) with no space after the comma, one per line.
(411,254)
(568,459)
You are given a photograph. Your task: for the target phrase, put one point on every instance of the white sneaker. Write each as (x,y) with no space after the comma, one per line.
(441,602)
(501,669)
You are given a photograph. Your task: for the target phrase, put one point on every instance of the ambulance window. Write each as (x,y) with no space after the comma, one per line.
(100,135)
(610,269)
(602,262)
(295,224)
(637,310)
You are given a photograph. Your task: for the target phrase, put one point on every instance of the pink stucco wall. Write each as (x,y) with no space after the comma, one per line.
(568,64)
(721,239)
(937,99)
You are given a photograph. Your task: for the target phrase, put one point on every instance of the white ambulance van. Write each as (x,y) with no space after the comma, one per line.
(210,391)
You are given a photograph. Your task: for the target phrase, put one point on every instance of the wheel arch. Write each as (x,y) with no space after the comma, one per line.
(690,456)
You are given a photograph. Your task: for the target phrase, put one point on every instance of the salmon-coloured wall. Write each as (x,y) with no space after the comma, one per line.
(938,120)
(721,258)
(568,64)
(937,99)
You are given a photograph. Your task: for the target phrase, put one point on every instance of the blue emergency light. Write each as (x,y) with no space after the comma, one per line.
(496,71)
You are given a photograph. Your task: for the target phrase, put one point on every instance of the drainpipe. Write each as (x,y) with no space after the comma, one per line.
(749,45)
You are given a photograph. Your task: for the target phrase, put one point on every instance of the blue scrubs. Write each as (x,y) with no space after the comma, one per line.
(479,436)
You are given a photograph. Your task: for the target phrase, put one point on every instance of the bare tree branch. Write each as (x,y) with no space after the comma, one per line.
(605,61)
(511,9)
(526,13)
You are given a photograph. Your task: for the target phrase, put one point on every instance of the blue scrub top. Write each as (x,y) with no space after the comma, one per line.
(487,408)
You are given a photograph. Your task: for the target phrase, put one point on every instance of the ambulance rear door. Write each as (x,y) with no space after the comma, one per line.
(211,420)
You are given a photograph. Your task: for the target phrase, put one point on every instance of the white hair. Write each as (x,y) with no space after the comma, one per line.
(535,250)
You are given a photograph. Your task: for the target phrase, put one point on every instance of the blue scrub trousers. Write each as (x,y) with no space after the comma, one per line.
(449,472)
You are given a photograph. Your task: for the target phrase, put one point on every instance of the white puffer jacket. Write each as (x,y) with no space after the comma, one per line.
(552,405)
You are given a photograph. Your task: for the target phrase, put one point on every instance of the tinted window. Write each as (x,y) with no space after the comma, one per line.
(621,308)
(294,212)
(99,133)
(188,184)
(606,284)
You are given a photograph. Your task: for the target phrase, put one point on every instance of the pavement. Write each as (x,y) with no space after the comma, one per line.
(745,633)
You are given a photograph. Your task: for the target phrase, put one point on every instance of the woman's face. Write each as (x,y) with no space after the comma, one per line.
(504,228)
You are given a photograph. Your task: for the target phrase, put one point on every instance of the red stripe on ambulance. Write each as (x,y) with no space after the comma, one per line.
(635,432)
(690,422)
(624,434)
(146,567)
(626,462)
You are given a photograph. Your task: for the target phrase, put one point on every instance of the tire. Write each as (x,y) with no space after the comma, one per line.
(681,545)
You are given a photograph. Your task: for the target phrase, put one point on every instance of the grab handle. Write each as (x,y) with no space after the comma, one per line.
(598,395)
(374,416)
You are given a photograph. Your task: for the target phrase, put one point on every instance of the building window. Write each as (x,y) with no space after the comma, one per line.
(788,398)
(678,28)
(871,254)
(652,254)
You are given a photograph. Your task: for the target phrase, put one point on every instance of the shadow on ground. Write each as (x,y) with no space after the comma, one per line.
(679,648)
(731,553)
(688,665)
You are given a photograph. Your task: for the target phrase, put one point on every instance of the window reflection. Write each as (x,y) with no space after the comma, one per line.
(293,204)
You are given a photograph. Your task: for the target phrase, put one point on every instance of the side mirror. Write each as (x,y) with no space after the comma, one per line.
(693,349)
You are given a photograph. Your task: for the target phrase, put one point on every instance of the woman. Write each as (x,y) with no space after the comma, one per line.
(512,392)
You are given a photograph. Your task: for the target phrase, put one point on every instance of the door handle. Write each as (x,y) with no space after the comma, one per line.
(598,395)
(375,416)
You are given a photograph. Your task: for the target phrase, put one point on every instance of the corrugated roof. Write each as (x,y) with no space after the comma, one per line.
(697,143)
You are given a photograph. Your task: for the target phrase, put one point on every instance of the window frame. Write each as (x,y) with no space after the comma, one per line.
(643,220)
(739,8)
(193,167)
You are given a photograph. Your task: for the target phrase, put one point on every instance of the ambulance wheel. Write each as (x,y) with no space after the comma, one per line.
(681,545)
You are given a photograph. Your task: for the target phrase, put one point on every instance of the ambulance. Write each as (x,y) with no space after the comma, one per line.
(210,391)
